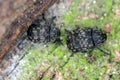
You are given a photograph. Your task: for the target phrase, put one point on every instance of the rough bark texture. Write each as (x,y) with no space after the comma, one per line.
(15,18)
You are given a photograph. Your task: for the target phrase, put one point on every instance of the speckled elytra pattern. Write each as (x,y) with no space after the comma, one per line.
(43,31)
(85,39)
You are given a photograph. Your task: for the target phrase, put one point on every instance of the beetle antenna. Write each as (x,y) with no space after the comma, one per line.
(104,51)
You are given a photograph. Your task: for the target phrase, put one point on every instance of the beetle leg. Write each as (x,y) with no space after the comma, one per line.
(67,31)
(90,53)
(104,51)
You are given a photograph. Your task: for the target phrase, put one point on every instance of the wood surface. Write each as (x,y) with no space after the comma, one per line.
(15,18)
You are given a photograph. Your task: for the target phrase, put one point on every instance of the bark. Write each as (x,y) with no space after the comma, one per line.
(15,18)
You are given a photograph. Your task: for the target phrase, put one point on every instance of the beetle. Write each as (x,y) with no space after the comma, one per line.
(42,30)
(85,39)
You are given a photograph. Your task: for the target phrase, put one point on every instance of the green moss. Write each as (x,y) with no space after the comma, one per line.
(45,79)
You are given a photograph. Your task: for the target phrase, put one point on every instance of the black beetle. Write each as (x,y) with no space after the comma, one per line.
(43,31)
(85,39)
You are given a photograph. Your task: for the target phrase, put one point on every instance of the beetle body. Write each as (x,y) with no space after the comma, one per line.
(43,31)
(85,39)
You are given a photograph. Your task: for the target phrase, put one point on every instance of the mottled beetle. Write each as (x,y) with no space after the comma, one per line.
(43,31)
(85,39)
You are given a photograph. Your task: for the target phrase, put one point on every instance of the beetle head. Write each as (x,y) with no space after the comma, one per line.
(98,36)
